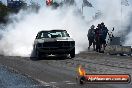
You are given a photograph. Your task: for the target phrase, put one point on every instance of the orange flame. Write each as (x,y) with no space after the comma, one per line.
(81,71)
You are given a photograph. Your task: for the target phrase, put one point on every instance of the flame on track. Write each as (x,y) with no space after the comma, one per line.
(81,71)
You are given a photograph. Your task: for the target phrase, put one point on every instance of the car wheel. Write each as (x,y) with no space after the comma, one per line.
(72,54)
(38,54)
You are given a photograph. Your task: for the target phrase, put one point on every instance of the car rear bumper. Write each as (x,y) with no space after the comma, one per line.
(55,50)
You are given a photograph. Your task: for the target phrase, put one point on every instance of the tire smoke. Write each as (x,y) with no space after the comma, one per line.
(18,36)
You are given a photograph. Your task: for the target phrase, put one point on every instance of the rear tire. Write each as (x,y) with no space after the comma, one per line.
(38,55)
(72,54)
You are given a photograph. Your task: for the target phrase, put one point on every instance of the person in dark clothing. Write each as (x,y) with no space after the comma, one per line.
(98,38)
(91,37)
(104,31)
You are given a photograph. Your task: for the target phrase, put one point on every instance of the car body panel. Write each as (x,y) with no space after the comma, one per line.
(58,45)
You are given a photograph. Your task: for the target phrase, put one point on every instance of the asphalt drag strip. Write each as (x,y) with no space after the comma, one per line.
(13,79)
(57,72)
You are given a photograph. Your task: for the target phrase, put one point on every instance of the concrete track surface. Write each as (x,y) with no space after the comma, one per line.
(61,72)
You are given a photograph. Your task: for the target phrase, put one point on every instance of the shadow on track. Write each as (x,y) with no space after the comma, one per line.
(50,57)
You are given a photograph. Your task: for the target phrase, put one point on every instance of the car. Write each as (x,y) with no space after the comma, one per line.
(54,42)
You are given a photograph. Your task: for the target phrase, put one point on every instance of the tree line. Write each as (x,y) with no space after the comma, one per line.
(5,10)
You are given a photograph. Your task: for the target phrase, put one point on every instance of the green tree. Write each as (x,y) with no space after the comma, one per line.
(3,12)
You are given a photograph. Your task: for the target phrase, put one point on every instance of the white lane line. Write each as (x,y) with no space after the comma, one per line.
(71,83)
(53,82)
(26,86)
(66,81)
(47,85)
(50,84)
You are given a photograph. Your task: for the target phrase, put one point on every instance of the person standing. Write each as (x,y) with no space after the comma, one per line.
(91,37)
(104,31)
(98,34)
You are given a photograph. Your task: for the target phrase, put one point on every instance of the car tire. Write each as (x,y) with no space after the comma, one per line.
(72,54)
(38,55)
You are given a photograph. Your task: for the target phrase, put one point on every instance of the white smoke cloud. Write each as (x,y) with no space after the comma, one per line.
(128,40)
(115,15)
(20,33)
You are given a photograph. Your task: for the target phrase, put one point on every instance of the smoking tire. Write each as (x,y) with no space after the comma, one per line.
(72,54)
(38,54)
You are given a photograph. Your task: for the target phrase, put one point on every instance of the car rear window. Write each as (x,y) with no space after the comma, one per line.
(53,34)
